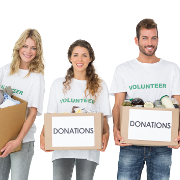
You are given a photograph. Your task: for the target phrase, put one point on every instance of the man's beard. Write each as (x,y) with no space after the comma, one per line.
(144,52)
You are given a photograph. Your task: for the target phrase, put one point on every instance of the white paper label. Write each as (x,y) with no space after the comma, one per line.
(73,131)
(150,125)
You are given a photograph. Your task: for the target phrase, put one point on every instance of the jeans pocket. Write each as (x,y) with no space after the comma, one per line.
(31,147)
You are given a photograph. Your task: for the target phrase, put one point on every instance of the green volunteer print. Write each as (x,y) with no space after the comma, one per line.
(71,100)
(15,91)
(147,86)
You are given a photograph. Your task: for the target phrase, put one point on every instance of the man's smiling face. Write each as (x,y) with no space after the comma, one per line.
(148,41)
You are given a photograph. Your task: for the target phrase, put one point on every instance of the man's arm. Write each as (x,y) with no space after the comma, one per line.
(177,97)
(119,98)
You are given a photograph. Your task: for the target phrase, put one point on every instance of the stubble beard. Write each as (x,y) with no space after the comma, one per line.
(144,52)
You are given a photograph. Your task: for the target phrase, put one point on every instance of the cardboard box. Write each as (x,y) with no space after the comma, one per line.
(11,121)
(149,127)
(73,131)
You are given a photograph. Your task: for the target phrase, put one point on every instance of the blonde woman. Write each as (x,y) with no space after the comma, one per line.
(25,75)
(82,84)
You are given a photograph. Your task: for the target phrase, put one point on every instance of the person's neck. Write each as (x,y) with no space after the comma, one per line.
(147,59)
(80,75)
(24,66)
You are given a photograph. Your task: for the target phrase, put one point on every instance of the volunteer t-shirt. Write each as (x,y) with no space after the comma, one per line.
(60,102)
(145,80)
(30,89)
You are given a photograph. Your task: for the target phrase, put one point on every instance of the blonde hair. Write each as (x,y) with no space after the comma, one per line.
(37,64)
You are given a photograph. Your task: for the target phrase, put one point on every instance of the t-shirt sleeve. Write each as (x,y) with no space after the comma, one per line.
(1,76)
(176,81)
(118,84)
(104,101)
(2,73)
(52,103)
(36,97)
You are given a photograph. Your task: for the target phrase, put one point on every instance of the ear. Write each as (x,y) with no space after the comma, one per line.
(136,41)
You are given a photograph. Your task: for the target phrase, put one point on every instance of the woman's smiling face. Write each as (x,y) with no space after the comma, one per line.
(28,51)
(80,59)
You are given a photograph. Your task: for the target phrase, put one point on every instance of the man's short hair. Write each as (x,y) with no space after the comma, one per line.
(147,24)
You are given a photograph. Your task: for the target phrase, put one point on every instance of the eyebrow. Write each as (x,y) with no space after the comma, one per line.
(147,36)
(78,53)
(27,45)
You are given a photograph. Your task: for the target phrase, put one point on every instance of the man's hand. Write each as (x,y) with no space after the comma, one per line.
(118,138)
(177,140)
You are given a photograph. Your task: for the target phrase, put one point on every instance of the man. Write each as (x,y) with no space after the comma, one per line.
(146,69)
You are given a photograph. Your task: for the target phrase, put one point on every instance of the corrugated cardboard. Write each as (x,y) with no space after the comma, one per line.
(124,123)
(11,121)
(98,130)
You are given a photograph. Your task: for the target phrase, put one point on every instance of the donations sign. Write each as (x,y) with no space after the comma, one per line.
(72,131)
(150,125)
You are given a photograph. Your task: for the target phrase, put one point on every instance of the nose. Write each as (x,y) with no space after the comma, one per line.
(150,42)
(80,58)
(28,50)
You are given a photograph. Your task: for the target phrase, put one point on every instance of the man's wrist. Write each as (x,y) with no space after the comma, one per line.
(115,128)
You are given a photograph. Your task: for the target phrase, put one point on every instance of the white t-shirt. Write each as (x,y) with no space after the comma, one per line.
(30,89)
(59,103)
(145,80)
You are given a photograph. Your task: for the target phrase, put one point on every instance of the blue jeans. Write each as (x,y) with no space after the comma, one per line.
(132,159)
(19,163)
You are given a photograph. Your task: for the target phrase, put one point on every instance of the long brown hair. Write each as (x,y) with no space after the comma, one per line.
(37,64)
(93,81)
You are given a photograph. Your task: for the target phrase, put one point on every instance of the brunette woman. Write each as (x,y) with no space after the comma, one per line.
(85,89)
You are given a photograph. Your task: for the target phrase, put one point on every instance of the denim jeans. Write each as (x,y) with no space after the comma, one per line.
(63,168)
(132,159)
(19,163)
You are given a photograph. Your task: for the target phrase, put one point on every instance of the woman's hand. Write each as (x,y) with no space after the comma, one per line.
(105,140)
(105,137)
(42,141)
(9,147)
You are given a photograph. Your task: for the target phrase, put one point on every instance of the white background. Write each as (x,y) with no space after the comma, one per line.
(110,28)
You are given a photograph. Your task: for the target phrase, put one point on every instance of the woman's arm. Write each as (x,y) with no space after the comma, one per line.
(11,145)
(105,137)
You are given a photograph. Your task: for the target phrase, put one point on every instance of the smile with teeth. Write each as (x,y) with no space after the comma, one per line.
(28,56)
(79,64)
(149,48)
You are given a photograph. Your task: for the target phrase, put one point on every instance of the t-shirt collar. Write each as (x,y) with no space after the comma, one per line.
(149,64)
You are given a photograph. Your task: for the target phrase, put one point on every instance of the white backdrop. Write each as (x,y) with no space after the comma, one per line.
(110,28)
